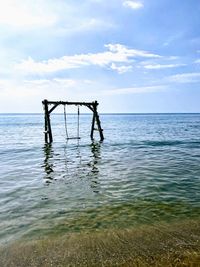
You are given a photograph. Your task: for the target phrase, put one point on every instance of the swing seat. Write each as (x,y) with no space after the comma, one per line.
(69,138)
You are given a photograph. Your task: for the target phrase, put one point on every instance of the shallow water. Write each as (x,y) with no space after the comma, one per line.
(161,245)
(146,171)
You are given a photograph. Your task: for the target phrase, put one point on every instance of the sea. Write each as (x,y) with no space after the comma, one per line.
(146,171)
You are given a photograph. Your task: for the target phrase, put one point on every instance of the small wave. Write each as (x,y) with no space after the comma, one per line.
(170,143)
(163,143)
(155,143)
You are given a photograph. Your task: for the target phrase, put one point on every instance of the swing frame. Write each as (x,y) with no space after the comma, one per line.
(48,136)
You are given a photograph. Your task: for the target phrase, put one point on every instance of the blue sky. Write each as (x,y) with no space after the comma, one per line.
(131,56)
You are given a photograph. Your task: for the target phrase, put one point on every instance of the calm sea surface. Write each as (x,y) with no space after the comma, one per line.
(147,170)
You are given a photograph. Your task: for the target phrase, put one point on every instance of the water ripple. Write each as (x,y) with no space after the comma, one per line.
(146,170)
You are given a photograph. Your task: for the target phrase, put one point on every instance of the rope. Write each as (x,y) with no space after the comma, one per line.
(66,131)
(65,118)
(78,123)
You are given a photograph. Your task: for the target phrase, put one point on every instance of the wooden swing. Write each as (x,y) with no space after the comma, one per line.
(48,136)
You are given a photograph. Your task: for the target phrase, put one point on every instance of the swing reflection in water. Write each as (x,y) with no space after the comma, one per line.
(68,163)
(48,163)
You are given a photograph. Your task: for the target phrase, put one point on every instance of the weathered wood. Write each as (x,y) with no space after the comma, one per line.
(99,127)
(98,121)
(45,130)
(45,106)
(49,129)
(55,106)
(92,127)
(48,132)
(91,105)
(70,103)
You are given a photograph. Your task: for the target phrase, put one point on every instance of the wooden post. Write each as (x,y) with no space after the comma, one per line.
(98,121)
(45,121)
(45,129)
(92,127)
(48,132)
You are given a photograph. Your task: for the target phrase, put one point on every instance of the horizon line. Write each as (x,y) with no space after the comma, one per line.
(103,113)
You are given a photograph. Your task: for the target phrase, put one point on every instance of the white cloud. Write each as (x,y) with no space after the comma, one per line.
(61,17)
(116,53)
(26,96)
(197,61)
(192,77)
(163,66)
(81,25)
(41,87)
(122,49)
(135,90)
(25,14)
(121,69)
(133,4)
(172,58)
(64,83)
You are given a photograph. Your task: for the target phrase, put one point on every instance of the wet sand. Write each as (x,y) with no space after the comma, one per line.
(174,244)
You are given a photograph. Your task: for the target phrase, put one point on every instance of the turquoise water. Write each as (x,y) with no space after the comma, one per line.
(146,170)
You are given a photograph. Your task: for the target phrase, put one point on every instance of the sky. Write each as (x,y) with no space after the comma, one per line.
(130,55)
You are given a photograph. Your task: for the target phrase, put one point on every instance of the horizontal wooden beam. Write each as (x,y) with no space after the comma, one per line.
(70,103)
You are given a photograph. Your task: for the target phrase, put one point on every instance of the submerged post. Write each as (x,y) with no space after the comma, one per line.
(96,118)
(47,133)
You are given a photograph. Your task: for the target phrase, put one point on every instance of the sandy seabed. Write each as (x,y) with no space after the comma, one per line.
(174,244)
